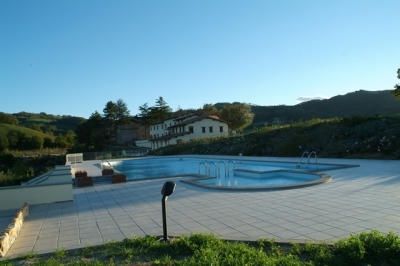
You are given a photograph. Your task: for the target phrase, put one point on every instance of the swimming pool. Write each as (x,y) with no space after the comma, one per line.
(175,166)
(253,180)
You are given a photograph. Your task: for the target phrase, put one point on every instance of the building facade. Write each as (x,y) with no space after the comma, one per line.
(185,128)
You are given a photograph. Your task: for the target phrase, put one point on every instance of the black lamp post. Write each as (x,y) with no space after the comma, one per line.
(167,190)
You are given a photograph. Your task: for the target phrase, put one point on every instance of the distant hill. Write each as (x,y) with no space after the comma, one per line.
(358,103)
(4,128)
(42,125)
(48,122)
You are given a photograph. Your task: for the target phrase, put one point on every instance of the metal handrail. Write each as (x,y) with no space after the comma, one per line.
(302,156)
(234,167)
(205,167)
(107,163)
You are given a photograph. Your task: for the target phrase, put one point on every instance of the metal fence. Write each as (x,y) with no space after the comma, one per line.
(114,154)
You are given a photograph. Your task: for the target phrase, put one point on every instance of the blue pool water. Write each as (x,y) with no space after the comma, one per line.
(173,166)
(273,180)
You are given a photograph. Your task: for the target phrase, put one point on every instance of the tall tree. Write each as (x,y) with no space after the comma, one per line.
(239,115)
(396,91)
(209,109)
(161,110)
(122,113)
(115,114)
(90,133)
(145,116)
(109,118)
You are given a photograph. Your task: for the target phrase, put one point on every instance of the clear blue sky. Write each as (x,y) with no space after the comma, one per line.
(72,57)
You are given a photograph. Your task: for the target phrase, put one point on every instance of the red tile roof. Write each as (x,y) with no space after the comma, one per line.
(215,118)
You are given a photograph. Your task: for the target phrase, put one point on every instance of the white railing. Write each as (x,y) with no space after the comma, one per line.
(74,158)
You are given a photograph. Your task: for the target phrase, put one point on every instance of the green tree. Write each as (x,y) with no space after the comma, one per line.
(70,138)
(109,118)
(16,139)
(61,141)
(90,133)
(34,143)
(8,119)
(48,143)
(209,109)
(3,143)
(65,141)
(144,116)
(160,111)
(115,114)
(239,115)
(122,113)
(35,127)
(396,91)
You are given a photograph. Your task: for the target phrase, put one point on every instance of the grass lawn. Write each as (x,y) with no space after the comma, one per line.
(367,248)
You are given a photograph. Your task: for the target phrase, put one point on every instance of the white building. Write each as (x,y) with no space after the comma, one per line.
(186,127)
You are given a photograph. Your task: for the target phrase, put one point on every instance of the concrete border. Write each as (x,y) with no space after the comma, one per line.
(8,236)
(323,178)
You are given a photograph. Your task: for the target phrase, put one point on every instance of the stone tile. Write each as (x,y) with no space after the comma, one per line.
(16,252)
(91,241)
(69,244)
(67,237)
(113,237)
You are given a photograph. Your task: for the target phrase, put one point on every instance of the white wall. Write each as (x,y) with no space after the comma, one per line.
(54,186)
(15,197)
(197,132)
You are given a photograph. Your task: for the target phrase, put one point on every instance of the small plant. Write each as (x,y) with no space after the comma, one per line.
(80,174)
(88,252)
(29,255)
(60,253)
(107,171)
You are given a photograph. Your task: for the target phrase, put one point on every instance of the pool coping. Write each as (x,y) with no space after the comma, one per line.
(323,179)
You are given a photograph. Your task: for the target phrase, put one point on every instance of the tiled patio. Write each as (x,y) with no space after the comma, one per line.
(358,199)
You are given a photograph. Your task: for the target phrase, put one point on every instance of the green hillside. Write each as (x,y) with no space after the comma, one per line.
(4,128)
(358,103)
(374,137)
(48,122)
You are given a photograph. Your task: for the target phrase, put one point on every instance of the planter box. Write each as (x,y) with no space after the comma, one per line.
(118,179)
(84,182)
(80,175)
(107,171)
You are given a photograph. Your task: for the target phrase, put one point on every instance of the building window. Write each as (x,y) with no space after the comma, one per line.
(157,127)
(210,129)
(165,126)
(191,129)
(221,129)
(203,129)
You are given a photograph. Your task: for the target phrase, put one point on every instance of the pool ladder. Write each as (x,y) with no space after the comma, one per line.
(217,168)
(102,164)
(308,159)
